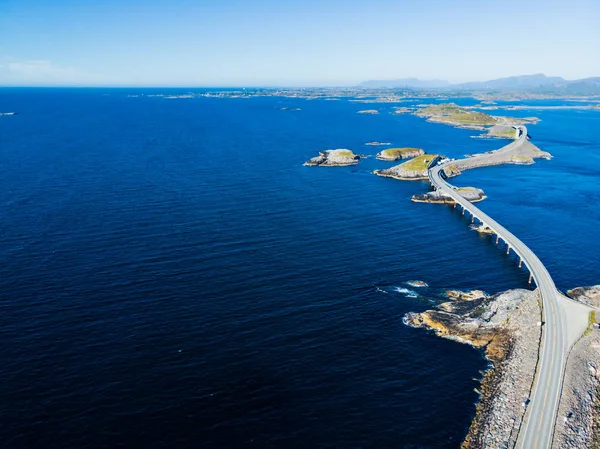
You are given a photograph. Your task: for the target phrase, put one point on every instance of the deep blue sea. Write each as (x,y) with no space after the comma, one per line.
(171,276)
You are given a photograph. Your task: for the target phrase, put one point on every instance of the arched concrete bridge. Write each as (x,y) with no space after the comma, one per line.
(565,320)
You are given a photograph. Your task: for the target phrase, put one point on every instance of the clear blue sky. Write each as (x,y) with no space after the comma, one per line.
(292,42)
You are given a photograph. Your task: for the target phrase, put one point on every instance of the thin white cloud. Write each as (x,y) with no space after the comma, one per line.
(44,72)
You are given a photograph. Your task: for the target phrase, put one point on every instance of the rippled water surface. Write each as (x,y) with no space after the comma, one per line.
(172,276)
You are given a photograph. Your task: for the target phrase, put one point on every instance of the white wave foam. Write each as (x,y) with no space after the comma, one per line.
(406,292)
(377,289)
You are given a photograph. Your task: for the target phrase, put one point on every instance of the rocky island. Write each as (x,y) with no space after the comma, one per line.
(394,154)
(468,118)
(452,114)
(334,158)
(413,169)
(471,194)
(521,155)
(376,144)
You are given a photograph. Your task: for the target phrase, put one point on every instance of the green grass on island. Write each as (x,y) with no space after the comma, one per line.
(420,162)
(451,113)
(591,322)
(511,133)
(399,152)
(344,153)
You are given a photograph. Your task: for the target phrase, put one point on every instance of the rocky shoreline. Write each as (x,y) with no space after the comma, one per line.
(503,327)
(506,328)
(586,295)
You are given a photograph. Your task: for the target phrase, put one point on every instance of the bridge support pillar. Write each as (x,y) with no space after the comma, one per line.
(463,212)
(472,218)
(520,262)
(455,205)
(497,238)
(530,277)
(507,249)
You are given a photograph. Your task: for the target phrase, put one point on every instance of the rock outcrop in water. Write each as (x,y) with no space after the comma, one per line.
(521,160)
(334,158)
(417,283)
(471,194)
(411,170)
(503,326)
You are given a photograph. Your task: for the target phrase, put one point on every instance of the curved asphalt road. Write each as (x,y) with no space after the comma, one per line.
(538,427)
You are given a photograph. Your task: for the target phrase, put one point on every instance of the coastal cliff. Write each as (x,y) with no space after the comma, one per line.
(503,327)
(413,169)
(334,158)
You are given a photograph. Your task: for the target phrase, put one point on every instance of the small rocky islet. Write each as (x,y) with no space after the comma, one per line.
(375,143)
(471,194)
(417,283)
(334,158)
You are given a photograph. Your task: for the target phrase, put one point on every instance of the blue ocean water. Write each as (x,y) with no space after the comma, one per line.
(172,276)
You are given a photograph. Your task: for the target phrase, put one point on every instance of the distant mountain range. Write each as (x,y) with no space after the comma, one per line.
(538,83)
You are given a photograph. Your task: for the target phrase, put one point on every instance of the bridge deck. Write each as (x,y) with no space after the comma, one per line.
(538,425)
